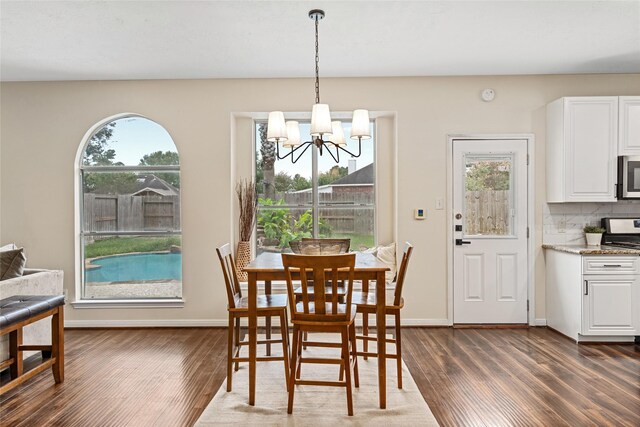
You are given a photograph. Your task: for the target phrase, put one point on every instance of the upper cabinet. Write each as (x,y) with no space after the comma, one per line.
(629,126)
(582,149)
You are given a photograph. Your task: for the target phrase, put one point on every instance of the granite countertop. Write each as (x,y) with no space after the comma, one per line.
(593,250)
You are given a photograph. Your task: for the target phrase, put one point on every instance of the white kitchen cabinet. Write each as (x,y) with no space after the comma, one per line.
(629,126)
(593,297)
(610,305)
(582,149)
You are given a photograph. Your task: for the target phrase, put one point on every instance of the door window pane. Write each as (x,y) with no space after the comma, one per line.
(488,206)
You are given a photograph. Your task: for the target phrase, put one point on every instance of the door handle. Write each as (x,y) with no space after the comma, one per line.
(586,287)
(612,265)
(460,242)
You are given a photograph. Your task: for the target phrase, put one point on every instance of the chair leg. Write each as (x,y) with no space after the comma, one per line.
(230,351)
(342,367)
(365,332)
(354,354)
(15,342)
(347,369)
(299,350)
(305,339)
(294,362)
(238,340)
(399,348)
(284,331)
(268,333)
(57,344)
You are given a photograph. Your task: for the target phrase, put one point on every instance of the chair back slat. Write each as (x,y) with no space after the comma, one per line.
(406,255)
(231,281)
(325,305)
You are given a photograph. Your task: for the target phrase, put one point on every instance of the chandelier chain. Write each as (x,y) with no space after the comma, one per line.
(317,66)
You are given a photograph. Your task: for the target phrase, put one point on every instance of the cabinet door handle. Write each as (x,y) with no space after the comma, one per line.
(586,287)
(612,265)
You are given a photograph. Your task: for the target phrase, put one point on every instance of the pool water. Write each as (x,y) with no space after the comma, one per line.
(136,267)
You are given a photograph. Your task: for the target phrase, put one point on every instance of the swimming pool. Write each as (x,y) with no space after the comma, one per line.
(136,267)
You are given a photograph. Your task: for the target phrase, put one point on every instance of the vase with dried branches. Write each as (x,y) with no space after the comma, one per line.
(248,206)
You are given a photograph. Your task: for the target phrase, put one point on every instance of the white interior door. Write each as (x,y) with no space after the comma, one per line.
(490,231)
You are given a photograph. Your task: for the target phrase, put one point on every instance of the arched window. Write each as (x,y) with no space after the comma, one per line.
(129,201)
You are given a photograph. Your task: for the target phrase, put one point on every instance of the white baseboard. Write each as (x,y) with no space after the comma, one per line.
(195,323)
(539,322)
(151,323)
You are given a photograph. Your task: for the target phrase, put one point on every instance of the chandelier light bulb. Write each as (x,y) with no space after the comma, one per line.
(293,133)
(320,120)
(360,126)
(276,128)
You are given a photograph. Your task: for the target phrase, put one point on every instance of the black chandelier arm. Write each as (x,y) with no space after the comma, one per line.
(338,147)
(336,158)
(294,159)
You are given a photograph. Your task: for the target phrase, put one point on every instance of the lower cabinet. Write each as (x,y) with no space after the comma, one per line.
(610,305)
(594,297)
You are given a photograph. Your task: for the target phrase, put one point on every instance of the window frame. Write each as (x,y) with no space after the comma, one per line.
(314,203)
(80,234)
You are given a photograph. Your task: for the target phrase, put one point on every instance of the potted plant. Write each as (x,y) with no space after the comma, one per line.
(593,234)
(247,208)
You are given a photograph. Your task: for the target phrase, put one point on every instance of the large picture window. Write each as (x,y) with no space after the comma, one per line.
(314,197)
(130,212)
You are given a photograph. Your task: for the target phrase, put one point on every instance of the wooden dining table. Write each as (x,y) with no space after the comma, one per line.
(267,267)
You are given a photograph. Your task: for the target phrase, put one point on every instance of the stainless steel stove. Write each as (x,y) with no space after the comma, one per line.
(621,232)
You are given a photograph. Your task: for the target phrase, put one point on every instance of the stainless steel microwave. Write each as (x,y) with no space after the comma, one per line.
(629,177)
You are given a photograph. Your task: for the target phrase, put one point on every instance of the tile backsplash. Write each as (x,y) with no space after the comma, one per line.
(562,223)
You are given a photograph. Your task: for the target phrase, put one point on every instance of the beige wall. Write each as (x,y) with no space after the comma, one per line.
(42,125)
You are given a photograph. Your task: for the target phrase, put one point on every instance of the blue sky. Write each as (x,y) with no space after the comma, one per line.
(133,137)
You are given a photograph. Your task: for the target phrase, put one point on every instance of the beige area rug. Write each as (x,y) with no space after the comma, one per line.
(318,406)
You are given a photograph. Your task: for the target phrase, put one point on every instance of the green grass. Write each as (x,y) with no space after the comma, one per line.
(357,240)
(123,245)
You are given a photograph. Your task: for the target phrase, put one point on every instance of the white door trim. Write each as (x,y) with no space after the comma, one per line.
(530,138)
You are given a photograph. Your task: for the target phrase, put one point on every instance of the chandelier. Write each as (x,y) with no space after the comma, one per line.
(325,134)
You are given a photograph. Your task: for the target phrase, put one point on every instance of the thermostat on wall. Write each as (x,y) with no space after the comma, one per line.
(419,213)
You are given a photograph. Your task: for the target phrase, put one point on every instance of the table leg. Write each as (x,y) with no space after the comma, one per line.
(253,334)
(381,331)
(267,320)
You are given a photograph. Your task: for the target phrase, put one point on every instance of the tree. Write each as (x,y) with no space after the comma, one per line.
(163,158)
(268,154)
(488,175)
(283,182)
(97,152)
(300,182)
(333,174)
(160,158)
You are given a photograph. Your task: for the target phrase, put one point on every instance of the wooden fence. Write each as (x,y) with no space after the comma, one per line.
(488,212)
(105,212)
(349,212)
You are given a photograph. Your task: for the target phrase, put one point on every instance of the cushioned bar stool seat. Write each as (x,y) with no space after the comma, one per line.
(19,311)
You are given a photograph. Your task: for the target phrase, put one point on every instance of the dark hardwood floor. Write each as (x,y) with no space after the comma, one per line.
(469,377)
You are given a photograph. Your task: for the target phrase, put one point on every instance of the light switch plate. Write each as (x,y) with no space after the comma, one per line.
(439,203)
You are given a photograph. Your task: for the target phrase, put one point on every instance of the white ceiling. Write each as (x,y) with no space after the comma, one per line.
(106,40)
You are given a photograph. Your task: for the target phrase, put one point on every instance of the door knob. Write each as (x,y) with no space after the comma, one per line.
(460,242)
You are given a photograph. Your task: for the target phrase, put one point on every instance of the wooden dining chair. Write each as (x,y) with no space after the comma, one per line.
(320,246)
(238,307)
(322,312)
(365,302)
